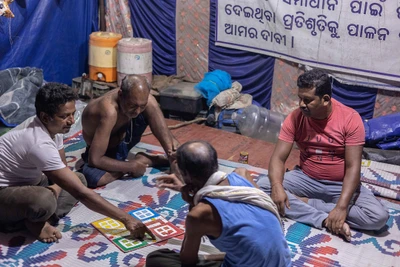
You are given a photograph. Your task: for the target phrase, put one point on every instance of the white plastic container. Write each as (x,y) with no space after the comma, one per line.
(135,57)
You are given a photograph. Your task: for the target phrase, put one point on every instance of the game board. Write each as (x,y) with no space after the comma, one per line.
(116,232)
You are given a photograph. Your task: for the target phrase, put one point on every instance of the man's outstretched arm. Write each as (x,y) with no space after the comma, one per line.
(54,187)
(159,127)
(67,180)
(160,130)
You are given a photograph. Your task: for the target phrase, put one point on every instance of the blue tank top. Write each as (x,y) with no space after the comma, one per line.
(251,236)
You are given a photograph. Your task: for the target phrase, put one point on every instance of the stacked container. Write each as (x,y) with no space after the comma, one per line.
(103,56)
(135,57)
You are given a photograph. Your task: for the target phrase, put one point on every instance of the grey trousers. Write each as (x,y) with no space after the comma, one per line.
(169,258)
(34,203)
(365,211)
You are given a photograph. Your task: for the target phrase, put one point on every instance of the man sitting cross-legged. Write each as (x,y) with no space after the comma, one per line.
(325,190)
(238,218)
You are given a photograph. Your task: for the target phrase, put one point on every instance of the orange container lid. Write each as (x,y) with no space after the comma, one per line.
(105,39)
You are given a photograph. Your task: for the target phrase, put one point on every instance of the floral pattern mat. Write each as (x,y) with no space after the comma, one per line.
(83,245)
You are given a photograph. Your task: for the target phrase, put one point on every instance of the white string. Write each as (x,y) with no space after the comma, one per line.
(131,133)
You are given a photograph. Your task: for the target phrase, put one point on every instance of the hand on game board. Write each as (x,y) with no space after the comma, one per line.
(137,169)
(137,229)
(169,181)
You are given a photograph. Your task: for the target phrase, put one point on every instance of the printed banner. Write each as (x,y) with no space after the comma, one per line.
(357,37)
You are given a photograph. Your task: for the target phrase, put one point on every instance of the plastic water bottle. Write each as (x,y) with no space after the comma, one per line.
(258,122)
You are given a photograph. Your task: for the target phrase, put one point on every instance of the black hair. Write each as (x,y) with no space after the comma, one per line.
(51,95)
(197,165)
(133,81)
(317,79)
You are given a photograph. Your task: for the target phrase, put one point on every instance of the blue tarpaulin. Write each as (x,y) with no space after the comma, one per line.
(383,132)
(50,35)
(155,20)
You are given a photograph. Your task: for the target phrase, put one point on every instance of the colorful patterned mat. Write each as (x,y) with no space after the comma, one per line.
(381,178)
(82,245)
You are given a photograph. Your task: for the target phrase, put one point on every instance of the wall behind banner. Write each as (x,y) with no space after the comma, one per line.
(51,35)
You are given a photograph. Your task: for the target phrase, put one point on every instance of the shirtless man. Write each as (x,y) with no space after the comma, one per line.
(113,124)
(35,183)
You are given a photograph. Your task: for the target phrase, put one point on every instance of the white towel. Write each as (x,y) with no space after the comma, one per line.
(243,194)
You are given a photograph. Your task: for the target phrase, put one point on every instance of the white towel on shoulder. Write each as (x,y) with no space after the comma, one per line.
(243,194)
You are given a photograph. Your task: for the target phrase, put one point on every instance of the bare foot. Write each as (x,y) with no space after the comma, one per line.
(43,231)
(345,232)
(152,160)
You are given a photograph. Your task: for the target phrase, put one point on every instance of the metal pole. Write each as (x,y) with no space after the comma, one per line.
(102,16)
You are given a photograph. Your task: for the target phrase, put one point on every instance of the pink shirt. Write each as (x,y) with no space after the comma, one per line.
(322,142)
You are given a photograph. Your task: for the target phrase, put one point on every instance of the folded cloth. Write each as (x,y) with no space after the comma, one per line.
(227,97)
(243,194)
(231,99)
(244,100)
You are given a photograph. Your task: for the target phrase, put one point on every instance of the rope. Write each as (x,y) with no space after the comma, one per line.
(180,125)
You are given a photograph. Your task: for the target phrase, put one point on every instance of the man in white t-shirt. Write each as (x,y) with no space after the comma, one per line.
(32,154)
(15,170)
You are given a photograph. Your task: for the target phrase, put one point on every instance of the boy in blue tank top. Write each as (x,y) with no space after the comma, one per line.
(238,218)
